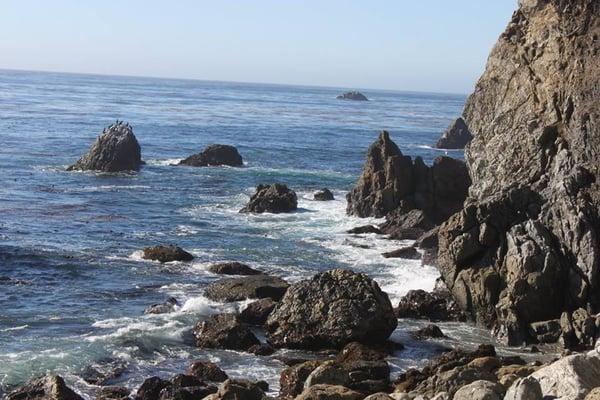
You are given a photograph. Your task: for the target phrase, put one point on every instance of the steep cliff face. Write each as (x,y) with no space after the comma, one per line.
(525,246)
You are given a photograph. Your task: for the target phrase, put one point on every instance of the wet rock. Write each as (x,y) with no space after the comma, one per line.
(233,268)
(186,387)
(239,389)
(480,390)
(406,225)
(207,371)
(330,310)
(263,349)
(434,306)
(571,377)
(113,393)
(457,136)
(215,155)
(360,230)
(151,388)
(248,287)
(292,378)
(356,351)
(103,371)
(168,253)
(323,195)
(168,306)
(257,312)
(224,331)
(115,150)
(49,387)
(409,253)
(427,332)
(352,95)
(524,389)
(329,392)
(276,198)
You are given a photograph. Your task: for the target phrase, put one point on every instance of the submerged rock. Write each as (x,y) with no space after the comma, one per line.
(276,198)
(224,331)
(352,95)
(49,387)
(165,254)
(409,253)
(115,150)
(323,195)
(247,287)
(361,230)
(168,306)
(457,136)
(330,310)
(215,155)
(233,268)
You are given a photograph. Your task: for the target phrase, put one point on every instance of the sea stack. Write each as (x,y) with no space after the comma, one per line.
(215,155)
(457,136)
(115,150)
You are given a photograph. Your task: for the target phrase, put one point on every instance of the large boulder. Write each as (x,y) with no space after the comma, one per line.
(292,378)
(480,390)
(330,310)
(434,306)
(247,287)
(457,136)
(215,155)
(165,254)
(352,95)
(276,198)
(239,389)
(151,388)
(224,331)
(571,377)
(257,312)
(115,150)
(49,387)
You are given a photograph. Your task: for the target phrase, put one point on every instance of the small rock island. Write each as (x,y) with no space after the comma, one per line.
(353,95)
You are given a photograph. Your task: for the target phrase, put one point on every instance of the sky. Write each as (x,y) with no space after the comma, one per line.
(423,45)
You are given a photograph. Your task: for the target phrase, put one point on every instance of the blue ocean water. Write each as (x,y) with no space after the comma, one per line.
(73,287)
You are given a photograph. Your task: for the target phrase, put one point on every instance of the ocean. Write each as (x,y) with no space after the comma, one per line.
(73,287)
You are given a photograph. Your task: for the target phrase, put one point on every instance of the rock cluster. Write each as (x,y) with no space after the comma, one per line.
(215,155)
(49,387)
(457,136)
(352,95)
(276,198)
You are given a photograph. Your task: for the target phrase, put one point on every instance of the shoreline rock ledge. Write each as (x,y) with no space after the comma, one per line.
(115,150)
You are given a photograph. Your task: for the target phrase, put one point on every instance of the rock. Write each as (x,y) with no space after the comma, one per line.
(480,390)
(257,312)
(579,330)
(434,306)
(224,331)
(248,287)
(329,392)
(524,248)
(186,387)
(401,224)
(113,393)
(594,394)
(263,349)
(356,351)
(103,371)
(168,306)
(239,389)
(275,199)
(353,95)
(323,195)
(207,371)
(360,230)
(233,268)
(292,378)
(409,253)
(429,331)
(330,310)
(524,389)
(151,388)
(571,377)
(115,150)
(215,155)
(428,240)
(49,387)
(168,253)
(379,396)
(545,331)
(457,136)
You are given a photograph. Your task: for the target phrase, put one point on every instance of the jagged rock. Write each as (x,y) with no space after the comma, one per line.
(457,136)
(49,387)
(329,392)
(406,225)
(292,378)
(480,390)
(545,331)
(276,198)
(434,306)
(571,377)
(263,349)
(330,310)
(151,388)
(409,253)
(429,331)
(257,312)
(239,389)
(525,246)
(224,331)
(323,195)
(524,389)
(186,387)
(103,371)
(205,370)
(113,393)
(361,230)
(168,253)
(215,155)
(233,268)
(428,240)
(168,306)
(247,287)
(579,330)
(115,150)
(352,95)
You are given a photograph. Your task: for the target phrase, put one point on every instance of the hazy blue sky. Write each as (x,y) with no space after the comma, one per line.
(430,45)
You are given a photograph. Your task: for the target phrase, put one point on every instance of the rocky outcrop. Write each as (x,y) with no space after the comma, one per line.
(434,306)
(233,268)
(408,252)
(247,287)
(257,312)
(115,150)
(215,155)
(224,331)
(276,198)
(207,371)
(165,254)
(428,332)
(330,310)
(239,389)
(457,136)
(365,229)
(292,378)
(323,195)
(525,246)
(352,95)
(49,387)
(391,181)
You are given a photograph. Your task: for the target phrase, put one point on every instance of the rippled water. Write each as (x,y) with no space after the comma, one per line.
(72,285)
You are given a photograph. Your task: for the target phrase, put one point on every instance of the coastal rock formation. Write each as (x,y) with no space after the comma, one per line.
(457,136)
(330,310)
(434,306)
(391,181)
(224,331)
(233,268)
(256,313)
(215,155)
(247,287)
(276,198)
(205,370)
(165,254)
(352,95)
(115,150)
(49,387)
(291,381)
(525,246)
(323,195)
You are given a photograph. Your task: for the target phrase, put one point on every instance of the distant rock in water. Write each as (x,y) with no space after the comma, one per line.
(49,387)
(163,308)
(247,287)
(323,195)
(215,155)
(233,268)
(115,150)
(276,198)
(456,136)
(353,95)
(167,254)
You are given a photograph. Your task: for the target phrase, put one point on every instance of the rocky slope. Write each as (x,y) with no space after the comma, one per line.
(525,246)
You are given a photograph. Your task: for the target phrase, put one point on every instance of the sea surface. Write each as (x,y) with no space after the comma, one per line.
(73,287)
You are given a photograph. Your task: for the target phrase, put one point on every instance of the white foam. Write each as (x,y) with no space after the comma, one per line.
(167,162)
(16,328)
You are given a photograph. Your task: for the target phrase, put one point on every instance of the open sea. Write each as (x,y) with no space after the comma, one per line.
(73,287)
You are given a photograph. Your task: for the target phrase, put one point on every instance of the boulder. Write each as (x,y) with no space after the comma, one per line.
(329,392)
(239,389)
(401,224)
(247,287)
(578,330)
(215,155)
(352,95)
(257,312)
(545,331)
(276,198)
(115,150)
(571,377)
(263,349)
(103,371)
(49,387)
(361,230)
(233,268)
(165,254)
(480,390)
(409,253)
(594,394)
(224,331)
(168,306)
(524,389)
(206,371)
(186,387)
(434,306)
(457,136)
(379,396)
(323,195)
(292,378)
(428,332)
(113,393)
(330,310)
(151,388)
